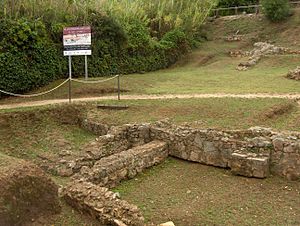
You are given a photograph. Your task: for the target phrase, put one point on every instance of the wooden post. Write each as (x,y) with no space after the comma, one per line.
(236,10)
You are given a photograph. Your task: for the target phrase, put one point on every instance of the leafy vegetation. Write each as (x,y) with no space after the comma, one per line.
(128,36)
(232,3)
(276,10)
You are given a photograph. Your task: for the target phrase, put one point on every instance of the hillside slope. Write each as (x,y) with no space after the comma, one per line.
(254,28)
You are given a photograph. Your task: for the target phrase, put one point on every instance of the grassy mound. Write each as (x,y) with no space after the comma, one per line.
(26,192)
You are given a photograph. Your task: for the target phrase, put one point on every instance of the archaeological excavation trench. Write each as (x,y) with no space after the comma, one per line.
(125,151)
(122,152)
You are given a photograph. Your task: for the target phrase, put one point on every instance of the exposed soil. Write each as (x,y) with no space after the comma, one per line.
(150,97)
(278,110)
(191,194)
(26,192)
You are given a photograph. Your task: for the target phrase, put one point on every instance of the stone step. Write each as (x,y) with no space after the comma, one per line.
(109,171)
(249,165)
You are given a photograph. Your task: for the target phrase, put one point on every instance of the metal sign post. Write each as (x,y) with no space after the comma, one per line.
(77,42)
(86,67)
(70,79)
(119,91)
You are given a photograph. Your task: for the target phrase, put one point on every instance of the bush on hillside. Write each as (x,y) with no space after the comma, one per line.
(123,38)
(233,3)
(28,59)
(276,10)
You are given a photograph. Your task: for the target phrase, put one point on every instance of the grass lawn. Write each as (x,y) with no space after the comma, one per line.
(35,132)
(223,113)
(191,194)
(207,70)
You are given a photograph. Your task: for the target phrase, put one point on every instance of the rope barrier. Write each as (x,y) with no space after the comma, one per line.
(34,95)
(93,82)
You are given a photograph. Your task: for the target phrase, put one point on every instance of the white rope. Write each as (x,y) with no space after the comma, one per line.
(93,82)
(34,95)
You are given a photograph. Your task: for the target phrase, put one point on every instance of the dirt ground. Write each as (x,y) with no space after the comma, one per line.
(148,97)
(191,194)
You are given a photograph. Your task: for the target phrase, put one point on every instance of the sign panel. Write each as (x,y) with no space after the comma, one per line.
(77,41)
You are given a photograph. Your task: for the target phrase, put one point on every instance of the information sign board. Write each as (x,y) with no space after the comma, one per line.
(77,41)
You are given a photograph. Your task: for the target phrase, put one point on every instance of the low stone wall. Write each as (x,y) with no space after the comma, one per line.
(251,153)
(127,150)
(109,171)
(96,128)
(102,204)
(260,50)
(285,156)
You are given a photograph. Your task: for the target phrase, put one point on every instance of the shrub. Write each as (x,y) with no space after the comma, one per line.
(28,58)
(276,10)
(128,37)
(232,3)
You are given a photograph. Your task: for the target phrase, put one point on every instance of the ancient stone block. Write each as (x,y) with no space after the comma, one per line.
(242,164)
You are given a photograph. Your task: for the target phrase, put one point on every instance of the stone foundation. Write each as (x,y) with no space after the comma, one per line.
(260,50)
(102,204)
(127,150)
(109,171)
(245,152)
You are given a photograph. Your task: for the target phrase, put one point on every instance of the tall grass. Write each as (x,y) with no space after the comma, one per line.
(159,14)
(170,14)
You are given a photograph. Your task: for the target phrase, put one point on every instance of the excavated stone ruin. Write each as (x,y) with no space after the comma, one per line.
(127,150)
(294,74)
(260,50)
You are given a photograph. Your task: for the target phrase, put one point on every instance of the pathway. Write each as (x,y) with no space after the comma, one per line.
(150,97)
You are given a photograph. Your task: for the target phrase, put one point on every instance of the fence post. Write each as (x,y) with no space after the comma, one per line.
(217,13)
(256,9)
(236,10)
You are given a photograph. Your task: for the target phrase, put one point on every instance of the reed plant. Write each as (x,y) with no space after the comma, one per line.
(159,15)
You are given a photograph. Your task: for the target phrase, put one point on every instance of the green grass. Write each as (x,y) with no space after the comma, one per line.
(214,113)
(192,194)
(28,134)
(209,69)
(216,197)
(34,132)
(218,75)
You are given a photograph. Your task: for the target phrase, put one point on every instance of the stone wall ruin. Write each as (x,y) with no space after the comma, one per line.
(127,150)
(260,50)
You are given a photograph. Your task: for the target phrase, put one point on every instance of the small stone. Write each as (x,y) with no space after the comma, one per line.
(64,171)
(170,223)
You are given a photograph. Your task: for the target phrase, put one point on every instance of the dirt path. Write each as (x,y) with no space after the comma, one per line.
(151,97)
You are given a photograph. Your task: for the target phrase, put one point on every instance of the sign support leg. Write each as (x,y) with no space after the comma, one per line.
(119,93)
(86,67)
(70,79)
